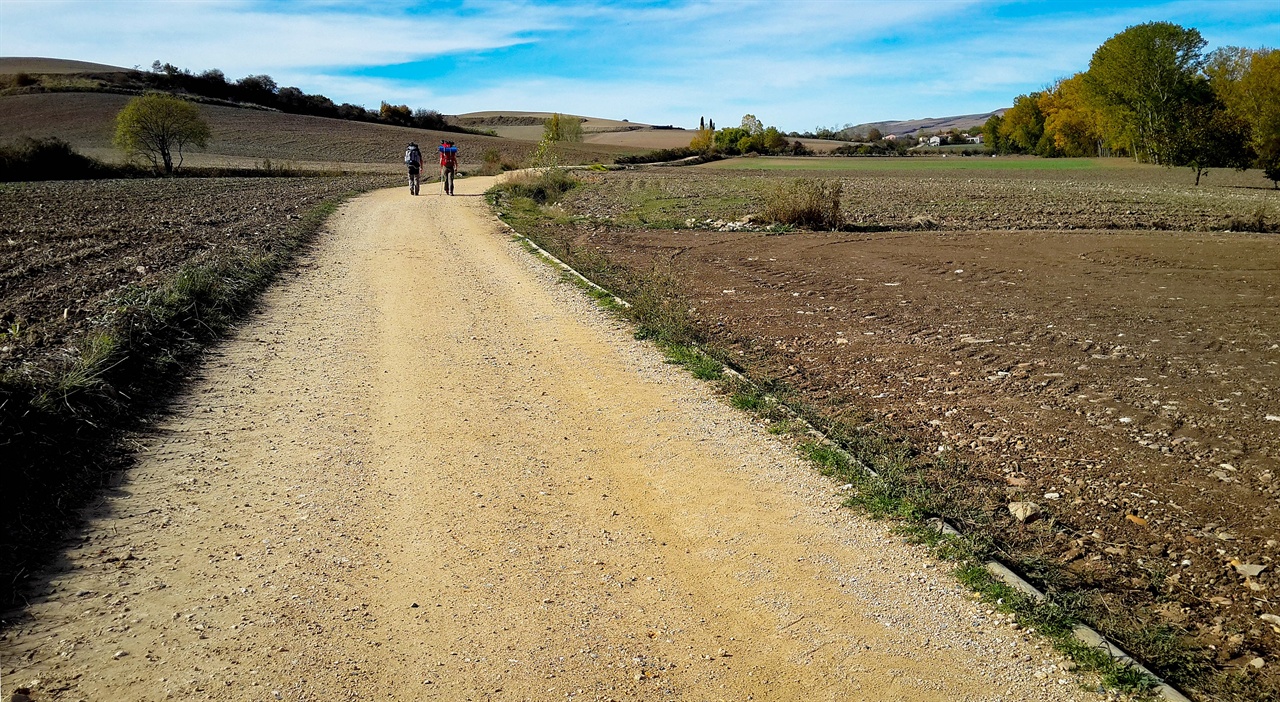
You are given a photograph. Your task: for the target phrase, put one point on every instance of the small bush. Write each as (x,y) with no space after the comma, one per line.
(660,156)
(880,148)
(1256,222)
(924,222)
(495,163)
(659,311)
(46,159)
(544,187)
(813,204)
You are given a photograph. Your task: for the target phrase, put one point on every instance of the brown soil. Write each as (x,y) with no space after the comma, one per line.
(879,194)
(1128,382)
(427,471)
(68,249)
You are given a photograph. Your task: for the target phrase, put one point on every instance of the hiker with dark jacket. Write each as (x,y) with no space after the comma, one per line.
(413,159)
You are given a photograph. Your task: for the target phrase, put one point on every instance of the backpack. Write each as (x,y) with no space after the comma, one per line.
(412,156)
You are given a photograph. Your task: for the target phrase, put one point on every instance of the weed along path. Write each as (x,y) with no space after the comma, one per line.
(428,470)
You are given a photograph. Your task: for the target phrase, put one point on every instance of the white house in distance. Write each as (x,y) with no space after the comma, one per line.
(941,140)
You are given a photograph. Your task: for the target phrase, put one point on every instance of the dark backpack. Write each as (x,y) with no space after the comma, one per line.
(412,156)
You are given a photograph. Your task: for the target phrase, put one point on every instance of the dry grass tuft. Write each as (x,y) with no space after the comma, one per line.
(809,203)
(924,222)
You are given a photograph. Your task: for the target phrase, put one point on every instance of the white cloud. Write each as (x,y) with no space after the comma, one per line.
(243,37)
(795,64)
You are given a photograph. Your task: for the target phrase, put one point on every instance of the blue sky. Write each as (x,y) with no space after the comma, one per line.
(796,64)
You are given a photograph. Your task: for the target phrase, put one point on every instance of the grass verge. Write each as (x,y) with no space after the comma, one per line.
(63,431)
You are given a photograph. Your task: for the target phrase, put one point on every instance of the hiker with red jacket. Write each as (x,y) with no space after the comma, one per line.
(448,165)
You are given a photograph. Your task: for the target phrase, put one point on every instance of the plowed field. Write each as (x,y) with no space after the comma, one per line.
(1127,381)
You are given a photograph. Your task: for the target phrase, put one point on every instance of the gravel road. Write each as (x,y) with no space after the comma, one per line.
(428,470)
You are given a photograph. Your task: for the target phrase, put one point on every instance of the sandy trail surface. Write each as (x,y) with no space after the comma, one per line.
(428,470)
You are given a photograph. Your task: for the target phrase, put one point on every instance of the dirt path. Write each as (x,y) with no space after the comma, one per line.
(427,471)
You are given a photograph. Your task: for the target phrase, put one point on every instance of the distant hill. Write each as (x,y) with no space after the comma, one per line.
(242,137)
(928,124)
(31,64)
(597,130)
(528,125)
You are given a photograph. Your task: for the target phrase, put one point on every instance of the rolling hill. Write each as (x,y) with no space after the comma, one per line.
(635,136)
(78,112)
(243,137)
(36,64)
(928,124)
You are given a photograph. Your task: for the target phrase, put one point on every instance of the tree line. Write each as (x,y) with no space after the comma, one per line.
(262,90)
(750,137)
(1151,93)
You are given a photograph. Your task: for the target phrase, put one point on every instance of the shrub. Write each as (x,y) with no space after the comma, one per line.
(660,155)
(809,203)
(46,159)
(544,187)
(494,163)
(925,222)
(1256,222)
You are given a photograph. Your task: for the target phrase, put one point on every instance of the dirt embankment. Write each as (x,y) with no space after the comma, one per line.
(426,471)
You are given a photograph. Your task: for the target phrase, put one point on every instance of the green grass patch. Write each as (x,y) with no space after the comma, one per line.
(671,205)
(1055,619)
(702,366)
(787,427)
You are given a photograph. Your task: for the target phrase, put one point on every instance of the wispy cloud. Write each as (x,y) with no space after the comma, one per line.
(256,36)
(796,64)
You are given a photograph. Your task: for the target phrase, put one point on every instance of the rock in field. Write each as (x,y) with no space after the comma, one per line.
(1025,512)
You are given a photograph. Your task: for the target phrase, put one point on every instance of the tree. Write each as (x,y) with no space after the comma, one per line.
(1248,84)
(1071,125)
(395,114)
(873,135)
(727,139)
(156,125)
(261,86)
(562,128)
(704,140)
(1142,78)
(753,126)
(991,134)
(773,140)
(214,75)
(1209,137)
(1023,125)
(429,119)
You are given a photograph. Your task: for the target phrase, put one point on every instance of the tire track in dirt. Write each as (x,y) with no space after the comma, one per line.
(426,471)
